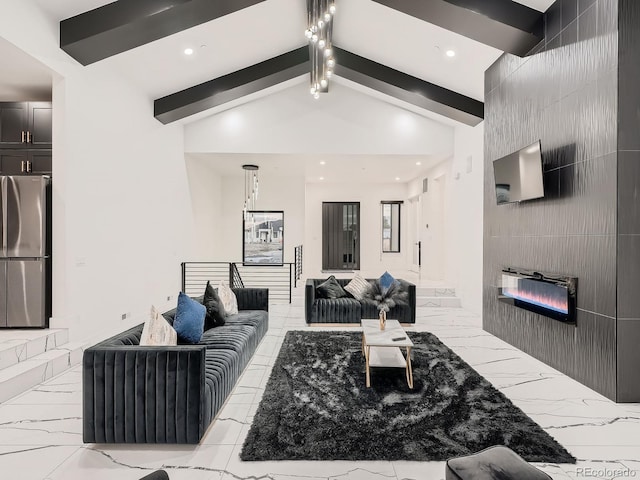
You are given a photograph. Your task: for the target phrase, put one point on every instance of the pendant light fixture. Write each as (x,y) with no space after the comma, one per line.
(250,188)
(318,33)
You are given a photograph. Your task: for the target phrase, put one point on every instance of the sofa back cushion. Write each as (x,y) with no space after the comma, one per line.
(358,287)
(157,331)
(216,313)
(330,288)
(189,319)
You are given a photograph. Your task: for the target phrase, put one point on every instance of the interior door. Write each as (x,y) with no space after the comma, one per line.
(434,249)
(415,240)
(340,236)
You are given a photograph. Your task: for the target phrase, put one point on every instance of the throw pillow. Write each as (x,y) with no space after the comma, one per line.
(216,314)
(330,288)
(157,331)
(229,300)
(189,320)
(386,280)
(358,287)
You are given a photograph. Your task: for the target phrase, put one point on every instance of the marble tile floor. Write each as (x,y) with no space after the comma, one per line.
(41,430)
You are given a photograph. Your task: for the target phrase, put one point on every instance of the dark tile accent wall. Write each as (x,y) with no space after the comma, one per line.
(628,277)
(564,93)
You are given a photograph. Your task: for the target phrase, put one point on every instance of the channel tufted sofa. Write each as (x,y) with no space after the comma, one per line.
(350,310)
(145,394)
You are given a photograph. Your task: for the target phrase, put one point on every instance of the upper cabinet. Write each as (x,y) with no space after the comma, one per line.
(25,125)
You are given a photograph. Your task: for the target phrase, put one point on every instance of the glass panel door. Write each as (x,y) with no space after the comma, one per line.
(340,236)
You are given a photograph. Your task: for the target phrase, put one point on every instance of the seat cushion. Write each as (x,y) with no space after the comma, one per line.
(494,463)
(259,319)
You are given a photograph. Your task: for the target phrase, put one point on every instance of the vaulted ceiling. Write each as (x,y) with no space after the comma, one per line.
(244,48)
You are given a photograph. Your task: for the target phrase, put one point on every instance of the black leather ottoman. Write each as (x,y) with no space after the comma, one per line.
(493,463)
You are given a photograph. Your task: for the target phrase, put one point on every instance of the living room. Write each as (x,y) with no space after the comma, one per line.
(133,198)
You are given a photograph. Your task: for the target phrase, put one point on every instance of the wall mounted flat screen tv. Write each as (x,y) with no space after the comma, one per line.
(518,176)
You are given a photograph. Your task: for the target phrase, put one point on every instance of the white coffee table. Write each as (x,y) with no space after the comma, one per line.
(380,350)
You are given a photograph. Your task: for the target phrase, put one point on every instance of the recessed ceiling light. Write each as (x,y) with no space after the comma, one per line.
(450,53)
(397,178)
(188,51)
(418,163)
(321,178)
(322,162)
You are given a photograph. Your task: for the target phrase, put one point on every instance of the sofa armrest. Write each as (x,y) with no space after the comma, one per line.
(309,299)
(252,298)
(134,394)
(411,288)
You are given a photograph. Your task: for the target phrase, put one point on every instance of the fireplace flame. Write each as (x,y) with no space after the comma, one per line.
(548,300)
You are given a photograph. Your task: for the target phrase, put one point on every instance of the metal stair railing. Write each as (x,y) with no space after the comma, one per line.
(277,278)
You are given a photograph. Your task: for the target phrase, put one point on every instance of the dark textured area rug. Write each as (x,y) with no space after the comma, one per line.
(316,407)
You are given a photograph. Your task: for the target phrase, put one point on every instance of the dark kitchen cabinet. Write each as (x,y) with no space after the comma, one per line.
(14,124)
(25,125)
(40,125)
(25,162)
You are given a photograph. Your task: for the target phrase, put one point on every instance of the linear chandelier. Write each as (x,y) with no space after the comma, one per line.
(250,188)
(319,30)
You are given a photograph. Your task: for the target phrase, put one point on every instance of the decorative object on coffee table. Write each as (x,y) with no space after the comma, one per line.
(385,293)
(383,319)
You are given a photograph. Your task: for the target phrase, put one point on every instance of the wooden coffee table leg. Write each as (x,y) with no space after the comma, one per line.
(366,356)
(409,369)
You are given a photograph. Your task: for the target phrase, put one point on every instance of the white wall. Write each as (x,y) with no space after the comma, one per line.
(122,218)
(373,262)
(435,228)
(467,210)
(462,250)
(207,206)
(343,122)
(285,193)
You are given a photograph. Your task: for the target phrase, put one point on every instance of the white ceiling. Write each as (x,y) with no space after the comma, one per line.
(274,27)
(22,77)
(268,29)
(337,168)
(413,46)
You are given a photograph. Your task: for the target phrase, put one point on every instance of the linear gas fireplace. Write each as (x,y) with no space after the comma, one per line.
(550,295)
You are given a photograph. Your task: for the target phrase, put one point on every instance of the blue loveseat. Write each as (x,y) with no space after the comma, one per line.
(134,394)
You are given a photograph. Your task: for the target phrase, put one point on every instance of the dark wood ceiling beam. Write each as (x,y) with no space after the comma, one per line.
(504,24)
(122,25)
(295,63)
(232,86)
(408,88)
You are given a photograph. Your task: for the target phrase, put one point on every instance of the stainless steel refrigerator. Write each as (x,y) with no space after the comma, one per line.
(25,293)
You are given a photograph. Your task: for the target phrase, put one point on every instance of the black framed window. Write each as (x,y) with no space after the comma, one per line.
(390,226)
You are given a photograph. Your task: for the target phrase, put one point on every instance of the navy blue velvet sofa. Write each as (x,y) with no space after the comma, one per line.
(134,394)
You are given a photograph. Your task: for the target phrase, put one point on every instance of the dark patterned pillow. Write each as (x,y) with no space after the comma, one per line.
(330,288)
(216,315)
